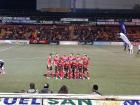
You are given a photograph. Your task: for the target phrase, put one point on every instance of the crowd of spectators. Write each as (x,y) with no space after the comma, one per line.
(32,89)
(63,89)
(67,32)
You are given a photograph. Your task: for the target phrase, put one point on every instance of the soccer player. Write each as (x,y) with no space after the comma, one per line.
(73,66)
(70,73)
(65,58)
(71,58)
(60,69)
(55,62)
(66,68)
(49,65)
(80,68)
(138,49)
(85,66)
(79,71)
(2,70)
(66,65)
(125,39)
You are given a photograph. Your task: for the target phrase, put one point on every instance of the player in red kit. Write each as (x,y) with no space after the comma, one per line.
(66,65)
(74,67)
(71,67)
(80,67)
(70,73)
(60,69)
(65,58)
(55,62)
(85,66)
(66,68)
(49,65)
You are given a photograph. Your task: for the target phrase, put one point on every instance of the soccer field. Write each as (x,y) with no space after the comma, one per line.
(115,71)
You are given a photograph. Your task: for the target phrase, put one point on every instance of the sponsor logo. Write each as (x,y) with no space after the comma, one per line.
(68,102)
(132,102)
(78,102)
(20,101)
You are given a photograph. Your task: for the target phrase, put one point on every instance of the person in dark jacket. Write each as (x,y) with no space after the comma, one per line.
(63,90)
(32,88)
(46,89)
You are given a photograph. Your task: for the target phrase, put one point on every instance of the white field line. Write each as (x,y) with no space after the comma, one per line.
(20,59)
(5,49)
(26,58)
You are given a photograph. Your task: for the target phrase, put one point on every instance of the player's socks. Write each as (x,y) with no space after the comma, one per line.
(70,75)
(53,74)
(82,75)
(62,74)
(57,74)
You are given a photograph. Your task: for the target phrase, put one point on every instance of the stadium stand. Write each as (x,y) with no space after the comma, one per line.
(83,31)
(66,32)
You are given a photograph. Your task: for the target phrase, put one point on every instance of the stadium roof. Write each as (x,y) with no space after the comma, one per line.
(78,13)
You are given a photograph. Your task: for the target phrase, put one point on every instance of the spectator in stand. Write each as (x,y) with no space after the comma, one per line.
(95,90)
(46,89)
(63,90)
(32,88)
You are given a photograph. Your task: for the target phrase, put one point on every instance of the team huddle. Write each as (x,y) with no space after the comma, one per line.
(68,66)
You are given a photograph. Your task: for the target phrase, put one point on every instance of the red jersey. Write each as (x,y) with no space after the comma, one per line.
(65,58)
(78,59)
(60,65)
(80,64)
(49,61)
(74,62)
(71,58)
(66,64)
(56,60)
(85,61)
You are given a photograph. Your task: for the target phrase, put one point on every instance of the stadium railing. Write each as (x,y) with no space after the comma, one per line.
(65,99)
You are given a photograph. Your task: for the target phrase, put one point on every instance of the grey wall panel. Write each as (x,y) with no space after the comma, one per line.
(101,4)
(53,4)
(108,4)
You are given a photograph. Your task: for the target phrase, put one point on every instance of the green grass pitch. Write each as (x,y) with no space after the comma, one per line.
(115,71)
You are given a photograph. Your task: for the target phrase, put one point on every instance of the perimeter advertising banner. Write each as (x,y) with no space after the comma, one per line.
(21,101)
(39,42)
(89,102)
(34,101)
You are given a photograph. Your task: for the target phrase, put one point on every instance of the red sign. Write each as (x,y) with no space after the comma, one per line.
(39,42)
